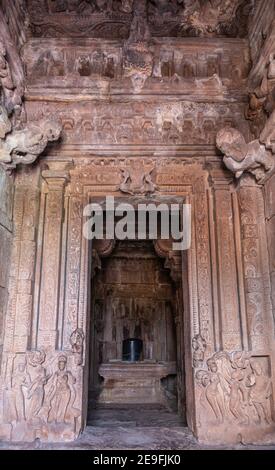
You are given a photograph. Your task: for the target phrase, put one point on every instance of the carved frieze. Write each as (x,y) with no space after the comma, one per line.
(191,68)
(102,125)
(112,18)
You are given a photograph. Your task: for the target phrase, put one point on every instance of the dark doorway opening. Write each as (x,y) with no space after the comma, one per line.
(133,295)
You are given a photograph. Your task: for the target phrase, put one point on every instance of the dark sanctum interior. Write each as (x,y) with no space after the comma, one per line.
(133,296)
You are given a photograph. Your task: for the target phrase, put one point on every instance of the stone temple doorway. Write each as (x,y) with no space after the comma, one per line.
(134,295)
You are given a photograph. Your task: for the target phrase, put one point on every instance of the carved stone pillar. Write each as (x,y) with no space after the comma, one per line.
(19,312)
(255,262)
(55,181)
(228,298)
(17,329)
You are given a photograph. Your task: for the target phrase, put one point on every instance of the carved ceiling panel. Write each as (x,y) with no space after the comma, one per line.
(112,18)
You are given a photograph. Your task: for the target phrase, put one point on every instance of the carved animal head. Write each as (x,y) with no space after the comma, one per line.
(231,143)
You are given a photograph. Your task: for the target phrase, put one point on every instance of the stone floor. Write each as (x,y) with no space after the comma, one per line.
(132,428)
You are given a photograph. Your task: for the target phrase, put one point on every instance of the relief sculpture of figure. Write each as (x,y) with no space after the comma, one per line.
(77,343)
(260,392)
(61,392)
(198,346)
(240,156)
(20,379)
(125,185)
(148,187)
(36,391)
(5,76)
(238,397)
(214,393)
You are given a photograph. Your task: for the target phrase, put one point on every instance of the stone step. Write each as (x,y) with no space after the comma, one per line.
(101,423)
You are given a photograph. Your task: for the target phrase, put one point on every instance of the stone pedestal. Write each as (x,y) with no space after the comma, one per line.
(137,382)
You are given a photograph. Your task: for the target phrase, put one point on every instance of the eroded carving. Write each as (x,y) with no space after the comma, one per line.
(240,157)
(19,383)
(260,392)
(135,182)
(199,347)
(24,146)
(6,78)
(262,99)
(62,393)
(36,390)
(215,17)
(77,343)
(166,17)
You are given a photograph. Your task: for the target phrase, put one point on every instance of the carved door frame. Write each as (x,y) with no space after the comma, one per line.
(195,285)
